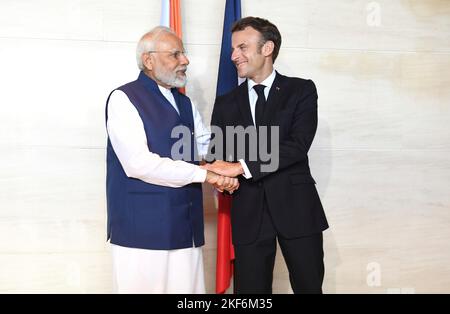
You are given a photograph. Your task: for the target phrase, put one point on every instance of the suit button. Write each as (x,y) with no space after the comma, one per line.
(259,184)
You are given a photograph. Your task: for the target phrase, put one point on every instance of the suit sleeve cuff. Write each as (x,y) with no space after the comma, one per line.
(246,173)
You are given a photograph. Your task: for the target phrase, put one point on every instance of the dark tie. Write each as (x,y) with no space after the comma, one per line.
(260,103)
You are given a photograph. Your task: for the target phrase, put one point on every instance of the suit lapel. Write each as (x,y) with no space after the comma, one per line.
(277,93)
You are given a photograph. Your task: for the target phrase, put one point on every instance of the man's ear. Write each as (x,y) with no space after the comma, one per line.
(147,60)
(268,48)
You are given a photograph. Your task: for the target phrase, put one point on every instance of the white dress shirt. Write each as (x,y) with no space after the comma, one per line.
(129,141)
(253,97)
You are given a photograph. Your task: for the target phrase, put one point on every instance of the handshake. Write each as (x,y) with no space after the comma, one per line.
(222,175)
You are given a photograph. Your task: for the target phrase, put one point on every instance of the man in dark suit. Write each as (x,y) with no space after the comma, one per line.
(279,204)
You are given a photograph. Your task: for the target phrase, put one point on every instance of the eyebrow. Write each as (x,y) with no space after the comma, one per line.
(239,46)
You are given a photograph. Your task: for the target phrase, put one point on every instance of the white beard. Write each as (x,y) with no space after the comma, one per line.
(170,78)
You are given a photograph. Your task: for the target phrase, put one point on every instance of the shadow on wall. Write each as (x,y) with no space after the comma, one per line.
(321,162)
(197,95)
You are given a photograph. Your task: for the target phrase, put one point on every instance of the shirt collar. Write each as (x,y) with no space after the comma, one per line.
(267,82)
(165,91)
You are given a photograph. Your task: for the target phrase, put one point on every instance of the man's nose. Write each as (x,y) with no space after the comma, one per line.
(184,59)
(234,55)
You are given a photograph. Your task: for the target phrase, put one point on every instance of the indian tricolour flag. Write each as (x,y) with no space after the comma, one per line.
(171,17)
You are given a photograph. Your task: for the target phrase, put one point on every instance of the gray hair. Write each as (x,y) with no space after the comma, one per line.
(148,42)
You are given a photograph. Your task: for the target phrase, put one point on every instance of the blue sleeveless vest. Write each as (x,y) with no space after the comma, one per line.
(148,216)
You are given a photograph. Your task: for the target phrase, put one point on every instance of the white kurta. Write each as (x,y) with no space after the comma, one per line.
(157,271)
(154,271)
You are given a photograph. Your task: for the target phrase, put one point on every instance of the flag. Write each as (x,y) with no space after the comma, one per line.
(171,17)
(227,80)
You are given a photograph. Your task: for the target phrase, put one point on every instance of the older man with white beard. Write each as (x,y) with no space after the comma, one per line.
(155,211)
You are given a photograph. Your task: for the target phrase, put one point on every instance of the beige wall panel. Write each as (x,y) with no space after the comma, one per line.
(49,272)
(358,24)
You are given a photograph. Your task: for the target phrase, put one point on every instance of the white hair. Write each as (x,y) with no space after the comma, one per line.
(148,42)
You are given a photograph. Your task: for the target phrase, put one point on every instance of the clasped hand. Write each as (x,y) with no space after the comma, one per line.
(222,175)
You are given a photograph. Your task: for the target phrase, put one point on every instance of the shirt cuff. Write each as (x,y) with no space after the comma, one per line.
(199,175)
(246,173)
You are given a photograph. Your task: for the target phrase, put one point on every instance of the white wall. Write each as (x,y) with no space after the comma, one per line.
(381,155)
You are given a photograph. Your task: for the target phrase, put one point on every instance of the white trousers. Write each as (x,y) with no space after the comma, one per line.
(157,271)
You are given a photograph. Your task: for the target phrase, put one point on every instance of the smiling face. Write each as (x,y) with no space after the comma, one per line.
(167,65)
(252,59)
